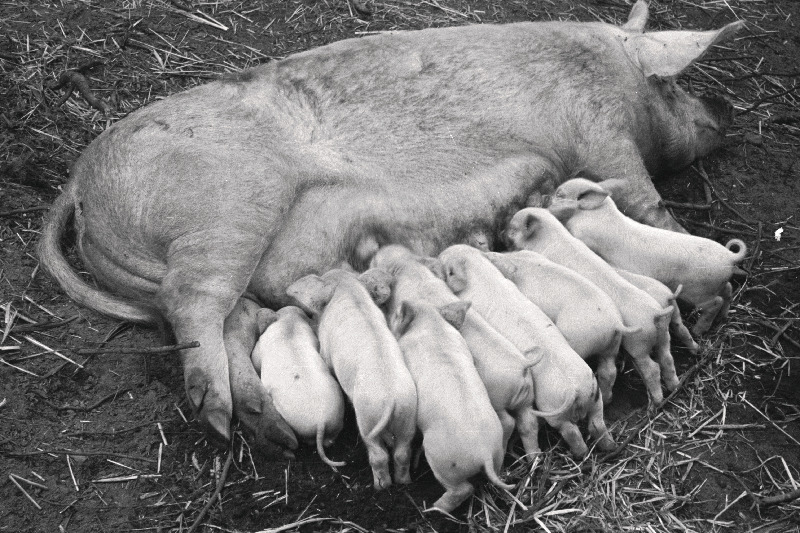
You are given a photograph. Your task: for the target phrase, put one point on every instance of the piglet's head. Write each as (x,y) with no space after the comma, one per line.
(575,195)
(378,283)
(684,127)
(523,226)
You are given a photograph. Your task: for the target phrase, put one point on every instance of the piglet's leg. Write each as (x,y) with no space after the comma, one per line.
(455,495)
(607,372)
(378,461)
(575,441)
(402,462)
(708,312)
(681,332)
(665,360)
(507,423)
(726,295)
(252,404)
(528,428)
(597,426)
(639,351)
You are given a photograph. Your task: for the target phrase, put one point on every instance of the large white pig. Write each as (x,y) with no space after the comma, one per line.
(586,316)
(536,229)
(505,372)
(366,359)
(244,185)
(559,373)
(461,434)
(304,391)
(702,266)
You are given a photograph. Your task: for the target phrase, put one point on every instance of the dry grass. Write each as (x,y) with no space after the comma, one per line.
(655,483)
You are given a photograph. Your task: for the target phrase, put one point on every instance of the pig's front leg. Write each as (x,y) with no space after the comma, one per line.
(252,404)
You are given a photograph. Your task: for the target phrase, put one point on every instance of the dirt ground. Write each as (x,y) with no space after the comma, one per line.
(108,444)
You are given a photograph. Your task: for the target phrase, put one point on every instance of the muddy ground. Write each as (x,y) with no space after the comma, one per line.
(702,463)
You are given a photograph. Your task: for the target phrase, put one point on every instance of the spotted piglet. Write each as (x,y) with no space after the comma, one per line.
(461,434)
(702,266)
(365,357)
(301,385)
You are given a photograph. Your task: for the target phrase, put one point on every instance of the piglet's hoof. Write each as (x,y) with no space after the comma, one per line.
(261,421)
(211,407)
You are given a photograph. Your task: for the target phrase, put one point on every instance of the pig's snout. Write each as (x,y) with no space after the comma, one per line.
(720,109)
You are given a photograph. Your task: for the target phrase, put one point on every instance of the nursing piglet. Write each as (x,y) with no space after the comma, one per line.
(584,314)
(702,266)
(665,297)
(559,373)
(536,229)
(301,385)
(461,434)
(501,366)
(356,342)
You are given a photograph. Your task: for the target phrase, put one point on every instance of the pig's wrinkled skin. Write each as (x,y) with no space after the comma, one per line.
(504,371)
(586,316)
(559,374)
(666,298)
(300,383)
(244,185)
(366,359)
(536,229)
(461,434)
(702,266)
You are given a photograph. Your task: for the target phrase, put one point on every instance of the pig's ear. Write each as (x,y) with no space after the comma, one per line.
(264,318)
(455,313)
(378,283)
(434,265)
(637,19)
(311,294)
(455,275)
(591,199)
(405,315)
(668,53)
(529,224)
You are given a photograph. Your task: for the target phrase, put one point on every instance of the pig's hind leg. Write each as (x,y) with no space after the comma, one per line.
(207,271)
(597,424)
(528,428)
(252,404)
(708,312)
(639,347)
(379,461)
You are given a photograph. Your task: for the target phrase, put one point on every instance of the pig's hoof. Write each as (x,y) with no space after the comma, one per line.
(211,407)
(606,444)
(672,383)
(265,425)
(402,478)
(382,480)
(607,397)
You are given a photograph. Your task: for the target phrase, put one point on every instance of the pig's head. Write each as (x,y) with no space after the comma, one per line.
(680,126)
(578,194)
(529,223)
(386,257)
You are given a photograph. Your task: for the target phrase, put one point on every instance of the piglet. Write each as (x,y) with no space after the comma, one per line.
(536,229)
(302,387)
(559,373)
(461,434)
(702,266)
(356,342)
(505,372)
(666,298)
(586,316)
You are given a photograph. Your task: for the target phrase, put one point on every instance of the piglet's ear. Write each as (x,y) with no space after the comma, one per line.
(455,313)
(311,294)
(637,19)
(530,223)
(264,318)
(378,283)
(403,319)
(668,53)
(455,275)
(591,199)
(434,265)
